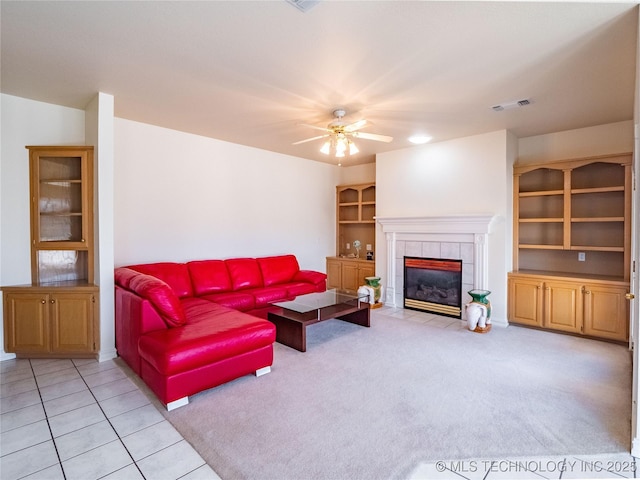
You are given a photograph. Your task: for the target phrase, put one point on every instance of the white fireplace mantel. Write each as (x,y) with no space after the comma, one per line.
(439,224)
(466,230)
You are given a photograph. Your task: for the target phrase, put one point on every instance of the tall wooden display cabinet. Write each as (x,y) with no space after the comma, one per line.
(57,314)
(355,212)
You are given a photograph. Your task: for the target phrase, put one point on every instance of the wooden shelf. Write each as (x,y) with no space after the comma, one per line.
(578,191)
(599,248)
(570,205)
(561,208)
(355,218)
(540,193)
(597,219)
(541,220)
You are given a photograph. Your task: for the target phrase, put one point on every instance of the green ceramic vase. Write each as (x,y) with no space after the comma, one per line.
(374,282)
(480,296)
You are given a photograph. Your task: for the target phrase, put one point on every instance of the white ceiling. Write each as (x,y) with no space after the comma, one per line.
(252,72)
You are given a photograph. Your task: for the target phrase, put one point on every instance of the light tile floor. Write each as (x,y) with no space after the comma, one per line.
(80,419)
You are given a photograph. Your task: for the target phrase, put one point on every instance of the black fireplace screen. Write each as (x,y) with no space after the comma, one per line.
(433,285)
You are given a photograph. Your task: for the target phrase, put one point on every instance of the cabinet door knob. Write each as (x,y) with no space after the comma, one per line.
(52,301)
(43,301)
(629,296)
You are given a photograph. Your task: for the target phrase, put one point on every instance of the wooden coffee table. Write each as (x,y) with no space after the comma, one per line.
(292,318)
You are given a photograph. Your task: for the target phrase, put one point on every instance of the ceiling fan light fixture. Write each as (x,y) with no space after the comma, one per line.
(326,148)
(339,136)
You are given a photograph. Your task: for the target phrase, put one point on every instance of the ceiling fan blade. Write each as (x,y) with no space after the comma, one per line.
(355,126)
(310,139)
(324,129)
(373,136)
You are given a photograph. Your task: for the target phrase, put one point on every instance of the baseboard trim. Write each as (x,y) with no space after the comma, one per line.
(7,356)
(635,447)
(104,356)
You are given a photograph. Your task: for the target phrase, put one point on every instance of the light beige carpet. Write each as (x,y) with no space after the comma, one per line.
(375,402)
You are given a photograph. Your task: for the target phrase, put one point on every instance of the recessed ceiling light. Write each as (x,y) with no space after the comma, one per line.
(419,139)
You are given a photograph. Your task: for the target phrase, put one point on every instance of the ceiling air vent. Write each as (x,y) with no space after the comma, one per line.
(304,5)
(513,104)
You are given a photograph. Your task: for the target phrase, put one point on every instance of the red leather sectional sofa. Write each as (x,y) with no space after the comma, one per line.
(187,327)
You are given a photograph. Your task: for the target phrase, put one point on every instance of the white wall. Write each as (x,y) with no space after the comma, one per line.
(180,197)
(358,174)
(462,176)
(583,142)
(26,122)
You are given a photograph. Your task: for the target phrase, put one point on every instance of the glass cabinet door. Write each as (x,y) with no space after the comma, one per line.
(60,199)
(61,214)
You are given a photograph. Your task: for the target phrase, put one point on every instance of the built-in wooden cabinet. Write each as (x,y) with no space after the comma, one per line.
(355,221)
(572,239)
(597,308)
(51,321)
(57,314)
(348,273)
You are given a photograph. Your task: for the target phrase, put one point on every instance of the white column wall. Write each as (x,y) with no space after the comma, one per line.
(99,132)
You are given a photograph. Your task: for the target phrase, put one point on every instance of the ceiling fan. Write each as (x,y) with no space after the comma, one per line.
(340,135)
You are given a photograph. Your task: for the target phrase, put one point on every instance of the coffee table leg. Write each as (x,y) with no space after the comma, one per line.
(290,333)
(360,317)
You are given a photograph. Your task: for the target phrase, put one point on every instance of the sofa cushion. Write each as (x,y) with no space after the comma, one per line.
(209,276)
(276,270)
(197,309)
(244,272)
(242,301)
(266,295)
(227,335)
(299,288)
(161,297)
(176,275)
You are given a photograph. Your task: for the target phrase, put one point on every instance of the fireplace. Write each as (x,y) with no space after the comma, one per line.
(433,285)
(463,237)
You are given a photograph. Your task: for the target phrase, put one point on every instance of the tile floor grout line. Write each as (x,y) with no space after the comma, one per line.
(111,425)
(48,424)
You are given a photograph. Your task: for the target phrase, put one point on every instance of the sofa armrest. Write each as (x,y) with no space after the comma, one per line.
(156,291)
(310,276)
(134,316)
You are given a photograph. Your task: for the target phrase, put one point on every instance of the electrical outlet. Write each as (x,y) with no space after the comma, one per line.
(369,246)
(582,256)
(348,246)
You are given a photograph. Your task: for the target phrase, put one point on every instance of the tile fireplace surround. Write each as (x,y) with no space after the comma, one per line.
(459,237)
